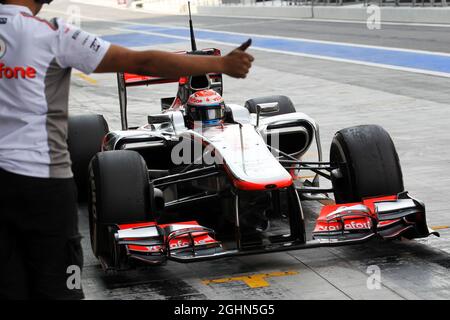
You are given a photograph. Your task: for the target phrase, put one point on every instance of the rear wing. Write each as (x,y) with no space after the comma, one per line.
(134,80)
(126,80)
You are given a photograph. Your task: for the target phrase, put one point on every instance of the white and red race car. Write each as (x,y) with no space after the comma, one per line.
(164,191)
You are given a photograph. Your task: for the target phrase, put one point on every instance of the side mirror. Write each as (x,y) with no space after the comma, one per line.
(266,108)
(166,103)
(159,118)
(162,118)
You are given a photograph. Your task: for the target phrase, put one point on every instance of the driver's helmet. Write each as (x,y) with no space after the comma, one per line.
(206,106)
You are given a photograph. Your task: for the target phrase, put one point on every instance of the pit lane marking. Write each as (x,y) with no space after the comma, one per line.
(415,61)
(439,67)
(440,227)
(304,177)
(171,31)
(274,19)
(86,78)
(277,19)
(253,281)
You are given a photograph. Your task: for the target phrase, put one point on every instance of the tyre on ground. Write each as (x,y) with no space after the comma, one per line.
(370,165)
(119,193)
(85,137)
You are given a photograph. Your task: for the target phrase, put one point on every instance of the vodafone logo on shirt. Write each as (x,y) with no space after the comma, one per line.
(2,48)
(14,72)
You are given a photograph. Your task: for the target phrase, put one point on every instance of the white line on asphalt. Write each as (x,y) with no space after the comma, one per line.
(239,24)
(349,44)
(438,25)
(370,64)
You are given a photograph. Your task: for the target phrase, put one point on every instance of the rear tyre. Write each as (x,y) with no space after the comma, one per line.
(85,136)
(371,166)
(120,192)
(284,103)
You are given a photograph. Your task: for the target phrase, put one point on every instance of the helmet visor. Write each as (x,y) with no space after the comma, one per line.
(207,113)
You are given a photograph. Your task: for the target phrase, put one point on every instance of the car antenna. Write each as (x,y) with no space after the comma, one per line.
(191,27)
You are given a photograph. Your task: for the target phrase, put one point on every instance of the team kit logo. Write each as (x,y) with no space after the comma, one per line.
(7,72)
(2,48)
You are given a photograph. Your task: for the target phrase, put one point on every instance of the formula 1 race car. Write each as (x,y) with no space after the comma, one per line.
(170,191)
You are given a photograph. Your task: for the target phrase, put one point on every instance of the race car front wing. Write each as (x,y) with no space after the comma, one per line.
(385,217)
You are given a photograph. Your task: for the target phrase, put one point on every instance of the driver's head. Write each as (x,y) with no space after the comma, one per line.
(34,5)
(206,106)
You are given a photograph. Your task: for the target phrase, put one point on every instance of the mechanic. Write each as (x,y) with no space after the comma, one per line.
(40,250)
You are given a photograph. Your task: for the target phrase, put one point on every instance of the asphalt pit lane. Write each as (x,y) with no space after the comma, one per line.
(166,289)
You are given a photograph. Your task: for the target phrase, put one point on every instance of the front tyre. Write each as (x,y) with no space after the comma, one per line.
(85,137)
(370,166)
(119,192)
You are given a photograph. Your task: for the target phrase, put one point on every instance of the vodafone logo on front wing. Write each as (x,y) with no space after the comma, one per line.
(14,72)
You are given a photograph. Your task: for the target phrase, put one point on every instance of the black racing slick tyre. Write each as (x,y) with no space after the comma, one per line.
(370,166)
(285,104)
(120,193)
(85,136)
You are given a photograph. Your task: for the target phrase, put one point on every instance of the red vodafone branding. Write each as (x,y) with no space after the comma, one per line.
(14,72)
(359,224)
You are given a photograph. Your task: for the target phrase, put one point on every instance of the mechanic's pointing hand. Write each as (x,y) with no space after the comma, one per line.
(238,62)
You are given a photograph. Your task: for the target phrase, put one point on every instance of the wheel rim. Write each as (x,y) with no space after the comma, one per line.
(343,191)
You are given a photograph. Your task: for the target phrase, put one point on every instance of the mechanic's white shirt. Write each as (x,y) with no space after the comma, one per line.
(36,57)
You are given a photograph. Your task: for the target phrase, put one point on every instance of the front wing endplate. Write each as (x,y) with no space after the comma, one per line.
(388,217)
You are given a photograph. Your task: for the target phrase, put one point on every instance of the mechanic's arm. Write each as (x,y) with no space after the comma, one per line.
(171,65)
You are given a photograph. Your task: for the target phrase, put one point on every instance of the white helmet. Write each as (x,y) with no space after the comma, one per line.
(206,106)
